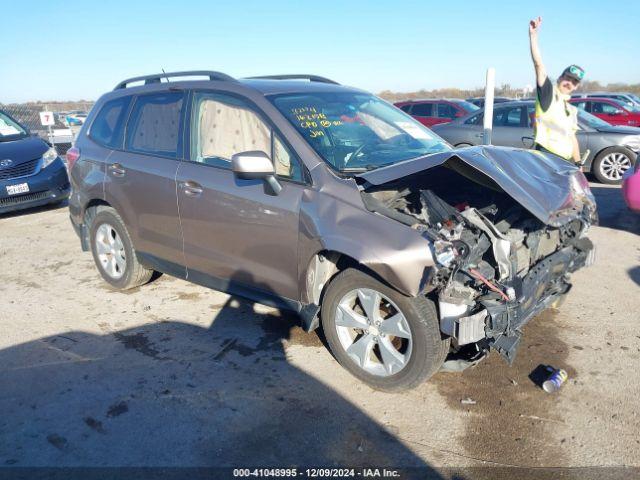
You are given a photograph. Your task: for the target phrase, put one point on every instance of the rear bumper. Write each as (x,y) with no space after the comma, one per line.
(49,185)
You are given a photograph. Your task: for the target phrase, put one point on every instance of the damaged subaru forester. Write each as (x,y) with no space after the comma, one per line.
(298,192)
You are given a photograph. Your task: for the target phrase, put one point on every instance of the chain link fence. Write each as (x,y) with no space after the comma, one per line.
(68,120)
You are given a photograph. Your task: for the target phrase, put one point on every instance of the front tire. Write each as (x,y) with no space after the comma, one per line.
(388,340)
(113,251)
(610,164)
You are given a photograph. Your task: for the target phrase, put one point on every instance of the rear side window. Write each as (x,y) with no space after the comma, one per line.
(446,111)
(108,126)
(601,107)
(405,108)
(154,125)
(422,109)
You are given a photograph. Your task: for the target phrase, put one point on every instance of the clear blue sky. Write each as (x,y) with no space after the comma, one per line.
(70,50)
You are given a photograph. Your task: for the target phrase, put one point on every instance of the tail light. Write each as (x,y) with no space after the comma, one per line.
(73,154)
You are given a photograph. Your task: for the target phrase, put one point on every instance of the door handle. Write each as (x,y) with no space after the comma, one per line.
(527,142)
(191,188)
(117,170)
(479,135)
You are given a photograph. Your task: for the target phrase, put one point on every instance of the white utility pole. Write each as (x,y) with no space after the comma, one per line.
(488,106)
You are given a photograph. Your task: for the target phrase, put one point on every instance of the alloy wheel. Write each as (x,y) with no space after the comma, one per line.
(373,332)
(613,166)
(110,250)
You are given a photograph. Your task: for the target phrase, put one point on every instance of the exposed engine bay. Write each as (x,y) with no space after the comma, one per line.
(496,264)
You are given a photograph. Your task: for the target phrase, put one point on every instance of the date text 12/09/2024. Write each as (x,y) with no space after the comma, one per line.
(316,472)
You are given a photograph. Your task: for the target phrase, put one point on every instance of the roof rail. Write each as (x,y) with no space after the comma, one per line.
(296,76)
(156,78)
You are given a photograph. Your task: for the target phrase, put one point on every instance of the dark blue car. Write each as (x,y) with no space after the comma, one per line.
(31,172)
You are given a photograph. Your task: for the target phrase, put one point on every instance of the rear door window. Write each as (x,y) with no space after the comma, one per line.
(405,108)
(508,117)
(154,125)
(602,107)
(108,125)
(422,110)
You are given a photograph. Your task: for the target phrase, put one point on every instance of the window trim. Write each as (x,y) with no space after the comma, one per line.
(306,176)
(181,126)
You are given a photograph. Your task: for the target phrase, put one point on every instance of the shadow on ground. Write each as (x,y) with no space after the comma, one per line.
(33,210)
(612,210)
(174,394)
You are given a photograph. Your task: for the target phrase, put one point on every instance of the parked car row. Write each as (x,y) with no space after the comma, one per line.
(479,101)
(625,98)
(72,118)
(432,112)
(610,110)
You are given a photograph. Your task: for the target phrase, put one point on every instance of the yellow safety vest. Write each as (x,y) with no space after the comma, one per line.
(554,129)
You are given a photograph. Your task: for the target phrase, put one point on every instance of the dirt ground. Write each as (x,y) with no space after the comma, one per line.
(173,374)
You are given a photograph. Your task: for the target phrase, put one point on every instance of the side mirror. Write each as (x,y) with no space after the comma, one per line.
(616,112)
(256,165)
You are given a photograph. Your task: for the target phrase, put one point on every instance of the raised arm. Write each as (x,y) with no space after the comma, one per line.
(541,72)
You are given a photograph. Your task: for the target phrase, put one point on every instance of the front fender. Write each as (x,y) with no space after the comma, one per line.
(339,222)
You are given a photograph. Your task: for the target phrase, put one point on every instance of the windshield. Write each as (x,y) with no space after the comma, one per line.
(357,131)
(9,128)
(466,106)
(591,120)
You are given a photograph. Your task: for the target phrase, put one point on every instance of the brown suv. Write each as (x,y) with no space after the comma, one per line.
(298,192)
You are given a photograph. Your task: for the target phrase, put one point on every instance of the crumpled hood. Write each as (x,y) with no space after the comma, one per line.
(540,182)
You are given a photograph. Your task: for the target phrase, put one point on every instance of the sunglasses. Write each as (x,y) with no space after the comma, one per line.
(578,72)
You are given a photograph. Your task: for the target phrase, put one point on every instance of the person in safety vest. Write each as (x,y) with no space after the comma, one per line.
(556,120)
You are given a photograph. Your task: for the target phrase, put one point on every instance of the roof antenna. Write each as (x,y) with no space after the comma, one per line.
(165,74)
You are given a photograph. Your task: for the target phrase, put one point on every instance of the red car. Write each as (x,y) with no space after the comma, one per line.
(610,110)
(434,111)
(631,188)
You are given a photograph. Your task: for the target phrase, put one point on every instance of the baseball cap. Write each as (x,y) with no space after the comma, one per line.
(575,72)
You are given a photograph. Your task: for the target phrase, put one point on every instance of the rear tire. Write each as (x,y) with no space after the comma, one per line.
(418,351)
(611,163)
(113,251)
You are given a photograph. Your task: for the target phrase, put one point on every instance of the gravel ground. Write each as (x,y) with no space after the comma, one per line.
(173,374)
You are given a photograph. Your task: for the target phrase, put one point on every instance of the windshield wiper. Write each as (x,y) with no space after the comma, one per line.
(366,168)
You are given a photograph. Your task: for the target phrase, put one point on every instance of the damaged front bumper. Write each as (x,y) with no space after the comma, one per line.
(497,324)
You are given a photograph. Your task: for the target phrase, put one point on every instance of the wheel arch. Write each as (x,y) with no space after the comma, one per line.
(326,263)
(89,211)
